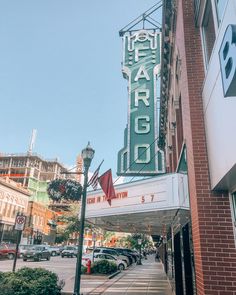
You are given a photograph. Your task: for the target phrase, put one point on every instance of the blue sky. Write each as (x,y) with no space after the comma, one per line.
(60,73)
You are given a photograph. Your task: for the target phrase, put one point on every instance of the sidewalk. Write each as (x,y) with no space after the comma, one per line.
(148,278)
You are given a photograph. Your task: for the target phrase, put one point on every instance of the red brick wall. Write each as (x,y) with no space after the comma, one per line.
(214,248)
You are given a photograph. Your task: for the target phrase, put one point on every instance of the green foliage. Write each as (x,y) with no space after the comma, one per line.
(62,237)
(132,241)
(104,267)
(107,235)
(71,224)
(83,269)
(64,189)
(30,281)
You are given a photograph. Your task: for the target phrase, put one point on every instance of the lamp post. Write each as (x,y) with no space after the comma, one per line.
(139,262)
(87,156)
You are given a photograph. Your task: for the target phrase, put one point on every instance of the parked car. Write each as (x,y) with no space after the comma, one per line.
(54,250)
(133,253)
(37,253)
(129,256)
(113,252)
(121,265)
(23,249)
(69,251)
(7,251)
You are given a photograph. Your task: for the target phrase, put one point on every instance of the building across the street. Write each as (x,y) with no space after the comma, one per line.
(32,171)
(41,224)
(13,199)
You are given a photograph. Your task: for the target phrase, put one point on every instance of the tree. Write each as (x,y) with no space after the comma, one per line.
(132,241)
(71,224)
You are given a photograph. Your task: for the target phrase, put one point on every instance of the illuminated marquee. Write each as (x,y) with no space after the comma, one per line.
(102,198)
(141,65)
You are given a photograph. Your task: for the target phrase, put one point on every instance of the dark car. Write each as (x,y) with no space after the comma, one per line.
(135,255)
(37,253)
(125,253)
(7,251)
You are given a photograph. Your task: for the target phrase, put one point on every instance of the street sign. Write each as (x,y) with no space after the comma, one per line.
(20,222)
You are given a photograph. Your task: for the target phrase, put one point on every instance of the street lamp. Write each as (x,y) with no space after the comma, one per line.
(139,262)
(87,156)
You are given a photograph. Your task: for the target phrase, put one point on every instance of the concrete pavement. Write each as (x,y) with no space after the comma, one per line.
(146,279)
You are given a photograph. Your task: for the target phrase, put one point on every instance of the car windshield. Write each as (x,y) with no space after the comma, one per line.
(37,248)
(69,248)
(25,247)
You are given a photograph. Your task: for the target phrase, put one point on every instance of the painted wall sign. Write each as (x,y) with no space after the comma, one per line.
(141,64)
(227,56)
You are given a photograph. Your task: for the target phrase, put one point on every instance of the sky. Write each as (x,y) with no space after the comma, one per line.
(60,73)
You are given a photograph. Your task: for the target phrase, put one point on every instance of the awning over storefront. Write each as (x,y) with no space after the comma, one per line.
(145,206)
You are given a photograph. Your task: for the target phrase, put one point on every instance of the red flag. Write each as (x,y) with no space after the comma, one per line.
(106,183)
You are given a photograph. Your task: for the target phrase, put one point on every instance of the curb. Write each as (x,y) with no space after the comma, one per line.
(114,274)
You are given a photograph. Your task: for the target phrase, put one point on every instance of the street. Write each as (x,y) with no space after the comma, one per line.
(63,267)
(147,278)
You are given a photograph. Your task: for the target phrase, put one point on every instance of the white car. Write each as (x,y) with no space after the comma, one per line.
(121,265)
(113,253)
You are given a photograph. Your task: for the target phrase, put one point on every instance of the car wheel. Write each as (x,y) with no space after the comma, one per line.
(48,258)
(62,256)
(54,253)
(10,256)
(24,259)
(121,267)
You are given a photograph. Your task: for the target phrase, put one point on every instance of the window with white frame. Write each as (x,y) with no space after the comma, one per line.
(208,31)
(234,208)
(220,7)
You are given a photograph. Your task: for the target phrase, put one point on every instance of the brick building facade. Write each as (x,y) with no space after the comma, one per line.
(193,32)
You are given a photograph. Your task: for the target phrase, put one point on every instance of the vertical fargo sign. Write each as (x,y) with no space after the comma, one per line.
(141,65)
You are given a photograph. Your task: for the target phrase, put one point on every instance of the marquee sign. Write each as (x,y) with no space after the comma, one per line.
(159,193)
(141,64)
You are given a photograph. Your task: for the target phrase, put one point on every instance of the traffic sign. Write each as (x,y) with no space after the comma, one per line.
(20,222)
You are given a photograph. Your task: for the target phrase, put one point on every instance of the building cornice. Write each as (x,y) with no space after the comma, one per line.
(13,185)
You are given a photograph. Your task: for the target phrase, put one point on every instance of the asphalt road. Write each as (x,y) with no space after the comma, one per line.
(63,267)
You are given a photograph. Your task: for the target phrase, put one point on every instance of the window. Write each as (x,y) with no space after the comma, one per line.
(220,7)
(234,208)
(208,32)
